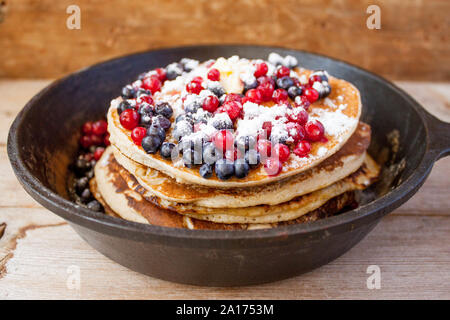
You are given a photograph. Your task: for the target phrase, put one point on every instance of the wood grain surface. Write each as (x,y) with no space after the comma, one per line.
(411,245)
(413,42)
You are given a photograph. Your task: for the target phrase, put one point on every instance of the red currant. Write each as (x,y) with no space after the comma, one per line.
(214,74)
(313,79)
(302,149)
(106,141)
(145,98)
(311,94)
(129,119)
(194,87)
(138,134)
(298,115)
(267,128)
(211,103)
(86,141)
(283,72)
(295,131)
(98,153)
(281,152)
(233,108)
(152,83)
(280,96)
(161,73)
(96,140)
(99,127)
(273,166)
(233,97)
(266,90)
(264,148)
(261,70)
(265,79)
(254,95)
(304,102)
(314,130)
(223,140)
(87,128)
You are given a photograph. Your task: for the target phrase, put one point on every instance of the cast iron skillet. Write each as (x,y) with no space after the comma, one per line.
(43,140)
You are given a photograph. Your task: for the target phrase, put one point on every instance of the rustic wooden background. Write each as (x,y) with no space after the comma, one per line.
(413,42)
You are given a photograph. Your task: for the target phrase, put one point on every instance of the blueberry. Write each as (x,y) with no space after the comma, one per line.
(166,150)
(285,82)
(294,91)
(252,157)
(192,156)
(323,88)
(145,120)
(217,90)
(162,122)
(151,144)
(184,116)
(210,153)
(145,108)
(250,85)
(164,109)
(173,70)
(202,116)
(142,91)
(191,107)
(81,184)
(90,174)
(241,168)
(206,171)
(224,169)
(321,73)
(181,129)
(245,143)
(94,205)
(123,105)
(222,123)
(86,195)
(156,130)
(81,166)
(128,92)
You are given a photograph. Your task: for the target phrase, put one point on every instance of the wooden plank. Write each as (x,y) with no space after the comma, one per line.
(412,253)
(413,42)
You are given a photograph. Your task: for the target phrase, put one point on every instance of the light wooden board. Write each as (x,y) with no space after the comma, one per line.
(411,245)
(412,43)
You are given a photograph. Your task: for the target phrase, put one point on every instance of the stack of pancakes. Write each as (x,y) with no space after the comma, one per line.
(146,188)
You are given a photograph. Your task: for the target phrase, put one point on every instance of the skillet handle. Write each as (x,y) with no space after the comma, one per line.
(439,136)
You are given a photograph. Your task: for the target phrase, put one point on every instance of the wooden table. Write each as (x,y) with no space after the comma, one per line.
(411,245)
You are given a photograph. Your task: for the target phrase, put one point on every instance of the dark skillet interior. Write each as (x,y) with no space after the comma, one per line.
(43,141)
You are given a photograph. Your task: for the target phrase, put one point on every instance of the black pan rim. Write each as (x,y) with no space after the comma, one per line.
(120,227)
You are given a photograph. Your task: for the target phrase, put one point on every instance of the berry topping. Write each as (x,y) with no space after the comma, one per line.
(252,158)
(128,92)
(129,119)
(123,105)
(166,150)
(232,108)
(281,152)
(145,98)
(206,170)
(264,148)
(99,127)
(267,129)
(298,115)
(295,131)
(311,94)
(261,69)
(223,140)
(254,95)
(303,102)
(87,128)
(233,97)
(152,83)
(211,103)
(294,91)
(302,149)
(265,79)
(85,141)
(241,168)
(273,166)
(214,74)
(314,130)
(163,109)
(283,72)
(161,74)
(194,87)
(224,169)
(151,144)
(284,83)
(266,90)
(314,78)
(280,96)
(138,134)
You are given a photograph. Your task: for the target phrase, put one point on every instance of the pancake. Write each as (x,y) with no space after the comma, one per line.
(108,170)
(343,163)
(339,113)
(131,206)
